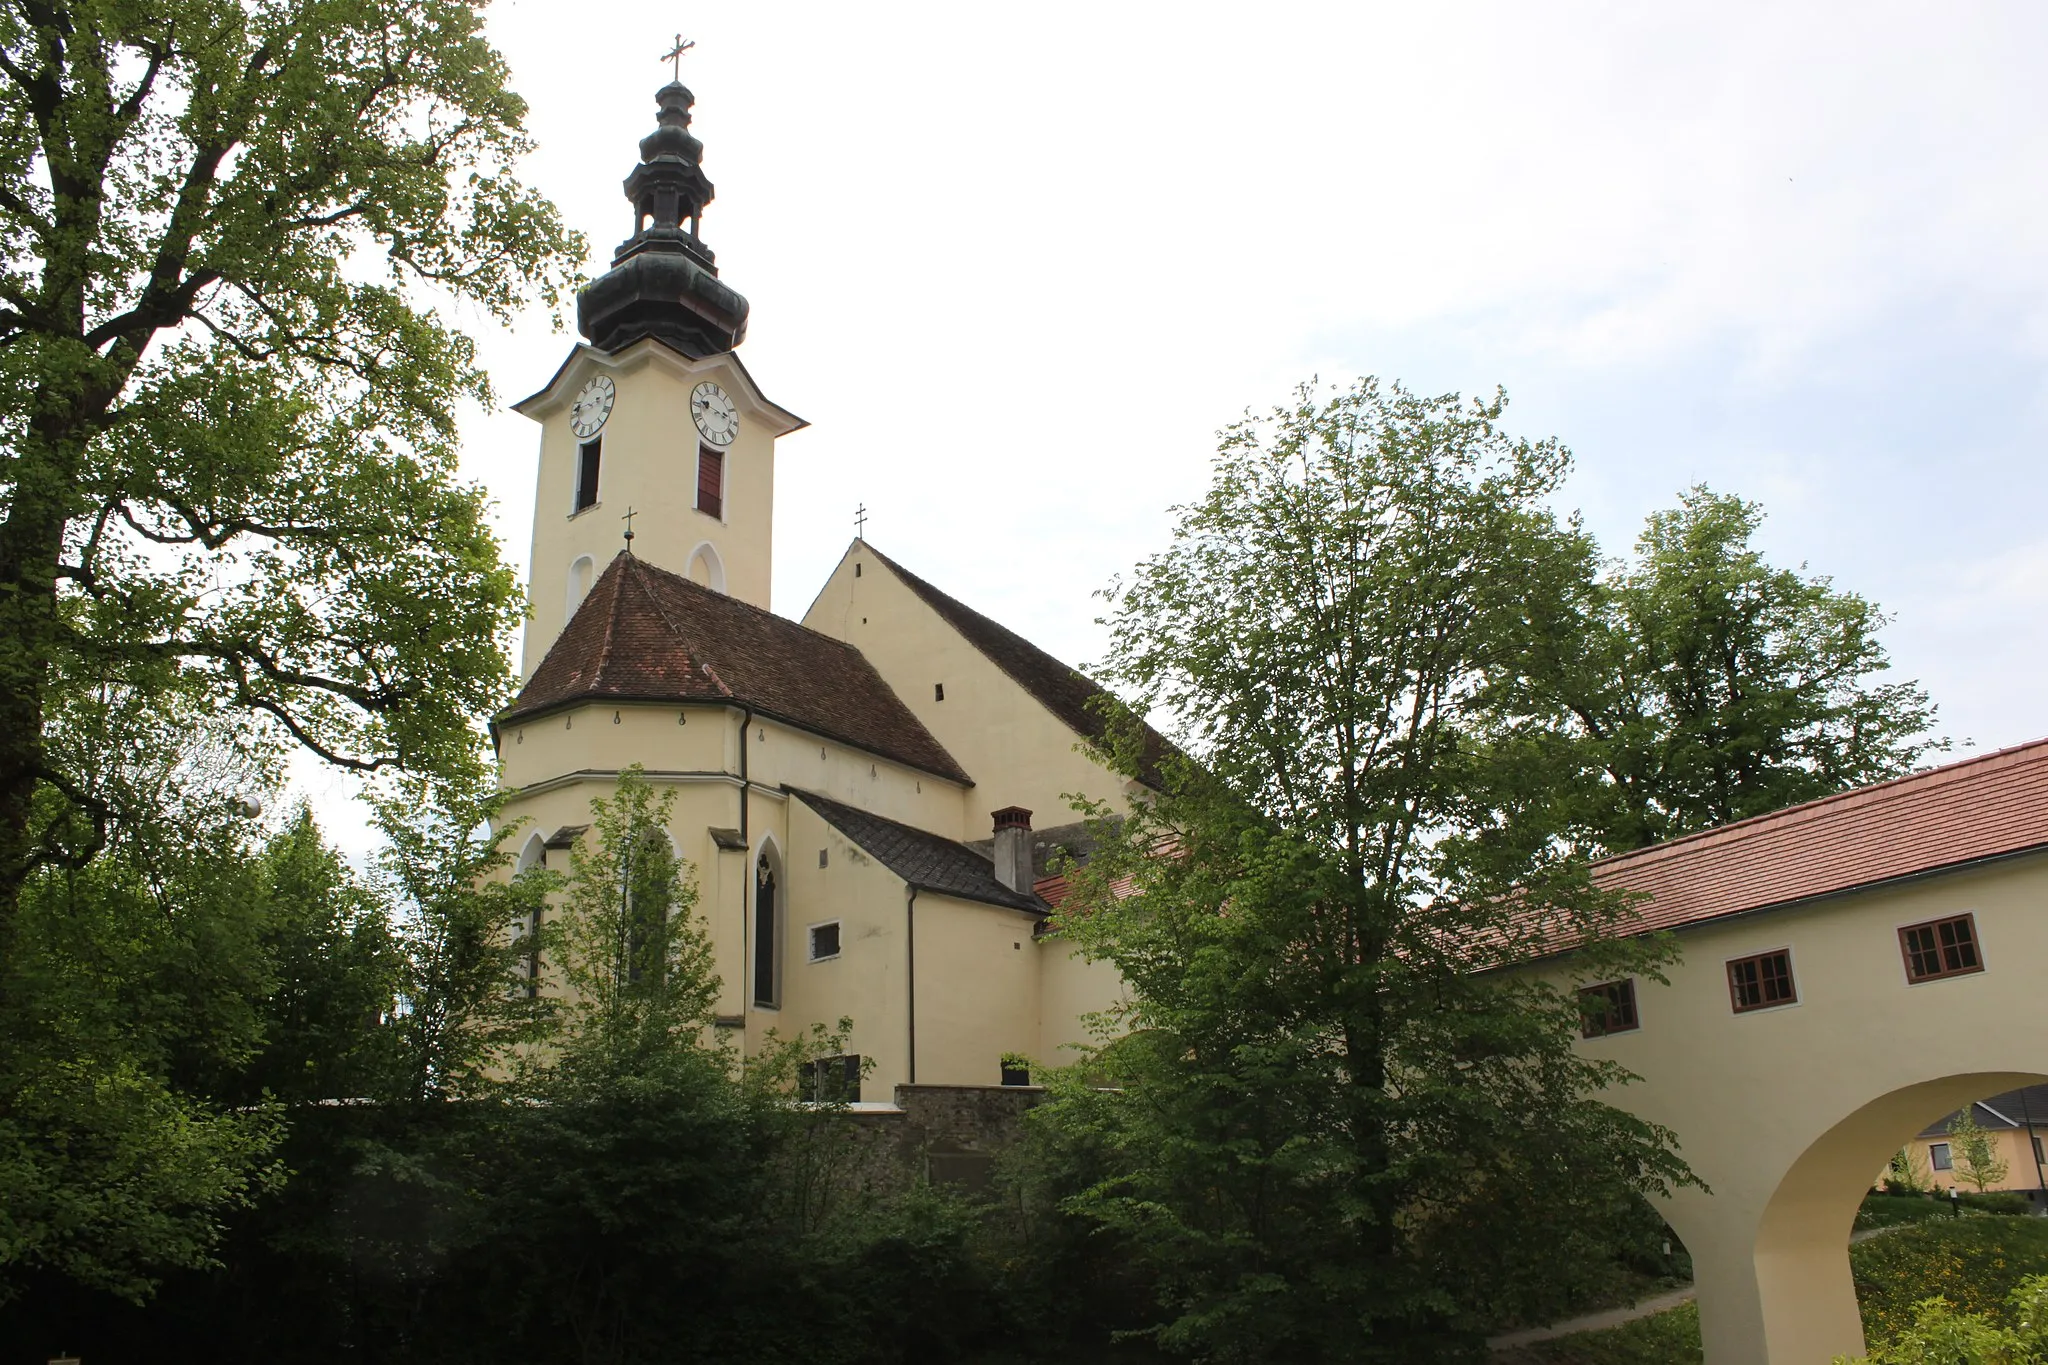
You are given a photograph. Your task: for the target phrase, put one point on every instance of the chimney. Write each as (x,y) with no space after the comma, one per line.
(1013,848)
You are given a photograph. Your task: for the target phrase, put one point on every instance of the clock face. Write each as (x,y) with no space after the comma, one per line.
(718,421)
(592,406)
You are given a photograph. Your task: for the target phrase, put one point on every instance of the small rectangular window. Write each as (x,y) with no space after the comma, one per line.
(824,941)
(835,1080)
(1608,1008)
(938,691)
(587,456)
(1758,983)
(1937,1155)
(711,482)
(1941,947)
(1016,1073)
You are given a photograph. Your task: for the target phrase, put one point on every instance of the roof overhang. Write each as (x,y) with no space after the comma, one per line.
(586,360)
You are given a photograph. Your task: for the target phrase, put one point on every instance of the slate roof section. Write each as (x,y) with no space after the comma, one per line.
(1059,688)
(2013,1109)
(645,634)
(1991,806)
(927,861)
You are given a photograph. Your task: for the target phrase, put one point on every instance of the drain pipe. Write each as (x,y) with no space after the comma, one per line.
(746,877)
(910,973)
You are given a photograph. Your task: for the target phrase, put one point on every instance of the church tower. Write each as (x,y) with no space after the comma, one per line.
(654,414)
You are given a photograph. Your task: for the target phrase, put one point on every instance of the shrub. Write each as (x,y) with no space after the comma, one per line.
(1892,1210)
(2004,1202)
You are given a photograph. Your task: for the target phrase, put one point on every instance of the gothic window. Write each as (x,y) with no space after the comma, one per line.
(587,456)
(711,482)
(527,930)
(767,933)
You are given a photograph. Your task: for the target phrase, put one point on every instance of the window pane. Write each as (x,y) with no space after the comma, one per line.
(1938,1154)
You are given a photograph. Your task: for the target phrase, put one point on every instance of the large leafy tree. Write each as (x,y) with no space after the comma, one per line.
(1708,685)
(1326,1134)
(229,234)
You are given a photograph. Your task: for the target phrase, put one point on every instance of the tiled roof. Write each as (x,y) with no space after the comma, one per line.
(2013,1109)
(1984,807)
(929,862)
(645,634)
(1059,688)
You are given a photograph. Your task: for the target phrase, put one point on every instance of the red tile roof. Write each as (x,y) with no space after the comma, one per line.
(645,634)
(1989,806)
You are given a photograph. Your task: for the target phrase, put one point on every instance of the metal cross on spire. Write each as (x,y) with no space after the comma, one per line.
(675,55)
(628,519)
(860,522)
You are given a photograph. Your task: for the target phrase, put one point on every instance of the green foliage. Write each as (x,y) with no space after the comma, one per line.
(1906,1173)
(1974,1152)
(1892,1210)
(1325,1134)
(1708,686)
(230,237)
(1668,1338)
(465,933)
(1973,1263)
(1940,1335)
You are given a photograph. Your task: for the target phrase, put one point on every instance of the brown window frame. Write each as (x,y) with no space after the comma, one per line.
(1941,948)
(712,457)
(1763,1001)
(1609,1008)
(1940,1157)
(589,472)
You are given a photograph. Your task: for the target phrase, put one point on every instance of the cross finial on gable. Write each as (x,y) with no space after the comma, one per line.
(675,55)
(628,519)
(860,522)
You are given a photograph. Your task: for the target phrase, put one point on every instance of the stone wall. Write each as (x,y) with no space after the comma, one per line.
(947,1134)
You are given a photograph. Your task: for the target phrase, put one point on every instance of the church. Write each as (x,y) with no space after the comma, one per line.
(870,797)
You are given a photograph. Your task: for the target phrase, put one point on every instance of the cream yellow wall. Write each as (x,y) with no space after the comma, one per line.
(977,990)
(1070,988)
(560,762)
(648,463)
(1786,1112)
(866,981)
(1017,752)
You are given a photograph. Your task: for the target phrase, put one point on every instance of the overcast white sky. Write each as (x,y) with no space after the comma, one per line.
(1017,264)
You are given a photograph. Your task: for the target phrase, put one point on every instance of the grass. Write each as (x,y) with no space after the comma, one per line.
(1971,1262)
(1894,1210)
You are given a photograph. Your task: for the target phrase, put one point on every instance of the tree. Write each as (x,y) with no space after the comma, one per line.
(1709,686)
(1974,1152)
(1326,1133)
(228,237)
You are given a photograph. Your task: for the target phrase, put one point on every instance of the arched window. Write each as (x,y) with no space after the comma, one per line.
(767,928)
(533,855)
(580,575)
(706,568)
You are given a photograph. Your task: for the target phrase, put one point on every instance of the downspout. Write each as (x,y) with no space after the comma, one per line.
(910,973)
(2033,1147)
(746,881)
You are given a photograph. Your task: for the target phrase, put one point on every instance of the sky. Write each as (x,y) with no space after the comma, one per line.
(1018,264)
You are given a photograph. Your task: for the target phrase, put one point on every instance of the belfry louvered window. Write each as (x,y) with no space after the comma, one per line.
(711,482)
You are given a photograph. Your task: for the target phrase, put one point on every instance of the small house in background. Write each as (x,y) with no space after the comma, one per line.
(2017,1124)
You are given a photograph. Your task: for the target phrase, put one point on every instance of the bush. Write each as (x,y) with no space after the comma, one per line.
(1973,1263)
(2005,1202)
(1893,1210)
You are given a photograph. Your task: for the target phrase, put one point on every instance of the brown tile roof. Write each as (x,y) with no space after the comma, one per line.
(1059,688)
(645,634)
(1984,807)
(927,861)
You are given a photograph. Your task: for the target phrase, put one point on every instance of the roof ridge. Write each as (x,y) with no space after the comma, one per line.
(1868,794)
